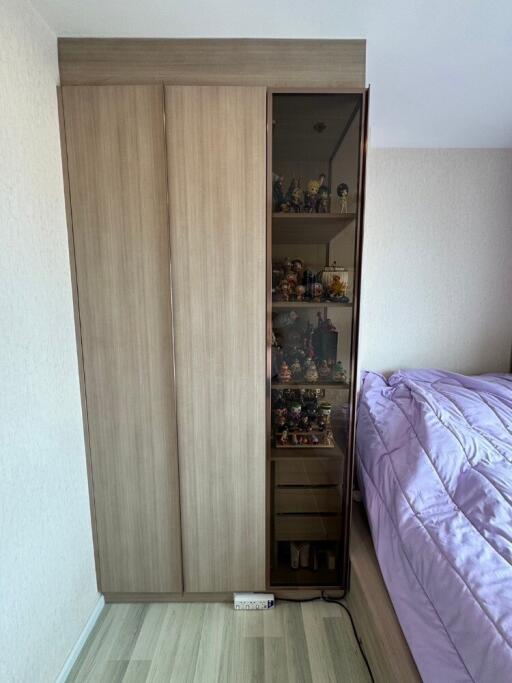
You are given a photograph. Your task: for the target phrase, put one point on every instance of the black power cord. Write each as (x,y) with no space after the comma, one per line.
(343,606)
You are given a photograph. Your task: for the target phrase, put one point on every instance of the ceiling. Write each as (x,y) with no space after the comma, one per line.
(440,70)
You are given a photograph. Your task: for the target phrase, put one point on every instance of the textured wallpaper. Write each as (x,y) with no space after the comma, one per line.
(437,265)
(47,577)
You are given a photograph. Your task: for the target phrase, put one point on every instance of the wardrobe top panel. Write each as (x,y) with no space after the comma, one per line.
(272,63)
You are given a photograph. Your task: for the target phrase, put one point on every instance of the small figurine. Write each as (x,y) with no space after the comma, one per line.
(338,290)
(310,372)
(296,201)
(278,198)
(294,415)
(300,292)
(285,375)
(280,411)
(339,374)
(322,204)
(304,423)
(291,279)
(328,438)
(293,439)
(296,370)
(342,192)
(287,265)
(280,424)
(317,291)
(311,196)
(297,268)
(324,410)
(283,291)
(324,371)
(294,197)
(308,279)
(282,439)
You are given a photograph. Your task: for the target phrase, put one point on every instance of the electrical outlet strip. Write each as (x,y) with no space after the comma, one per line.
(253,600)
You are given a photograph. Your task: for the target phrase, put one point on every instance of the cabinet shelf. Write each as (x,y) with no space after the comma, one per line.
(309,304)
(311,385)
(308,228)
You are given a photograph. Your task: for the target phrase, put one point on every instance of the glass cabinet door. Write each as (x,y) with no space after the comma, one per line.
(315,165)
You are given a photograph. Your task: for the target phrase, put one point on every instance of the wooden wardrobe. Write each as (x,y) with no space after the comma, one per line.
(165,167)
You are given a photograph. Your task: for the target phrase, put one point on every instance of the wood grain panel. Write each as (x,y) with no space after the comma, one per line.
(375,619)
(273,63)
(117,171)
(216,153)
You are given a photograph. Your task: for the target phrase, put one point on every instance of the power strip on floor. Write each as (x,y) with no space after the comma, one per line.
(253,600)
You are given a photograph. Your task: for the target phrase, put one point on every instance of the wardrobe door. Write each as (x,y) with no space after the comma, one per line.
(217,168)
(117,173)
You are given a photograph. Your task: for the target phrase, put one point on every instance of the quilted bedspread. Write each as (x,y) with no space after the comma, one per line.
(434,454)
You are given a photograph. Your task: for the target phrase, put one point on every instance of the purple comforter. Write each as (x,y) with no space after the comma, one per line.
(434,453)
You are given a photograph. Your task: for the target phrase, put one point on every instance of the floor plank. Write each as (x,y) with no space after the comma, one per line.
(211,643)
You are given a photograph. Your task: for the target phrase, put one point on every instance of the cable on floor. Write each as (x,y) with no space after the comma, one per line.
(337,601)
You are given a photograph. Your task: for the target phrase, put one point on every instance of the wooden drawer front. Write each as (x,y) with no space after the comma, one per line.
(307,500)
(306,528)
(304,472)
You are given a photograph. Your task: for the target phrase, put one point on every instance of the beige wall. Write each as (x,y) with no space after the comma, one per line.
(437,264)
(47,577)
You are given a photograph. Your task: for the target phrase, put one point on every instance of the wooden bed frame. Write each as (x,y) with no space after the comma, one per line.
(381,637)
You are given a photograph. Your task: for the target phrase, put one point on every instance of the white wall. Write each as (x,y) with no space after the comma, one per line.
(426,61)
(47,577)
(437,265)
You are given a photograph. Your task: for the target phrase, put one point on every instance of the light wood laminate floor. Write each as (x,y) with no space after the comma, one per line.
(207,643)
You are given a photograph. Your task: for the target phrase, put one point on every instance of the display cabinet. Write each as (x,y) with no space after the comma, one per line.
(316,152)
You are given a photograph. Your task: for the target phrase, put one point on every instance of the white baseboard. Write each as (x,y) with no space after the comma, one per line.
(77,648)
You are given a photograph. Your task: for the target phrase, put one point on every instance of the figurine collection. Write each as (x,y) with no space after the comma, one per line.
(291,281)
(301,419)
(302,353)
(316,198)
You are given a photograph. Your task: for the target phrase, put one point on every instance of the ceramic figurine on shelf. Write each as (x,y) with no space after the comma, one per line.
(310,372)
(324,371)
(338,290)
(317,291)
(278,198)
(285,374)
(342,192)
(300,292)
(339,374)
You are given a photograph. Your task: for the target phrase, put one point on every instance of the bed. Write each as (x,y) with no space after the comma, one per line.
(434,459)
